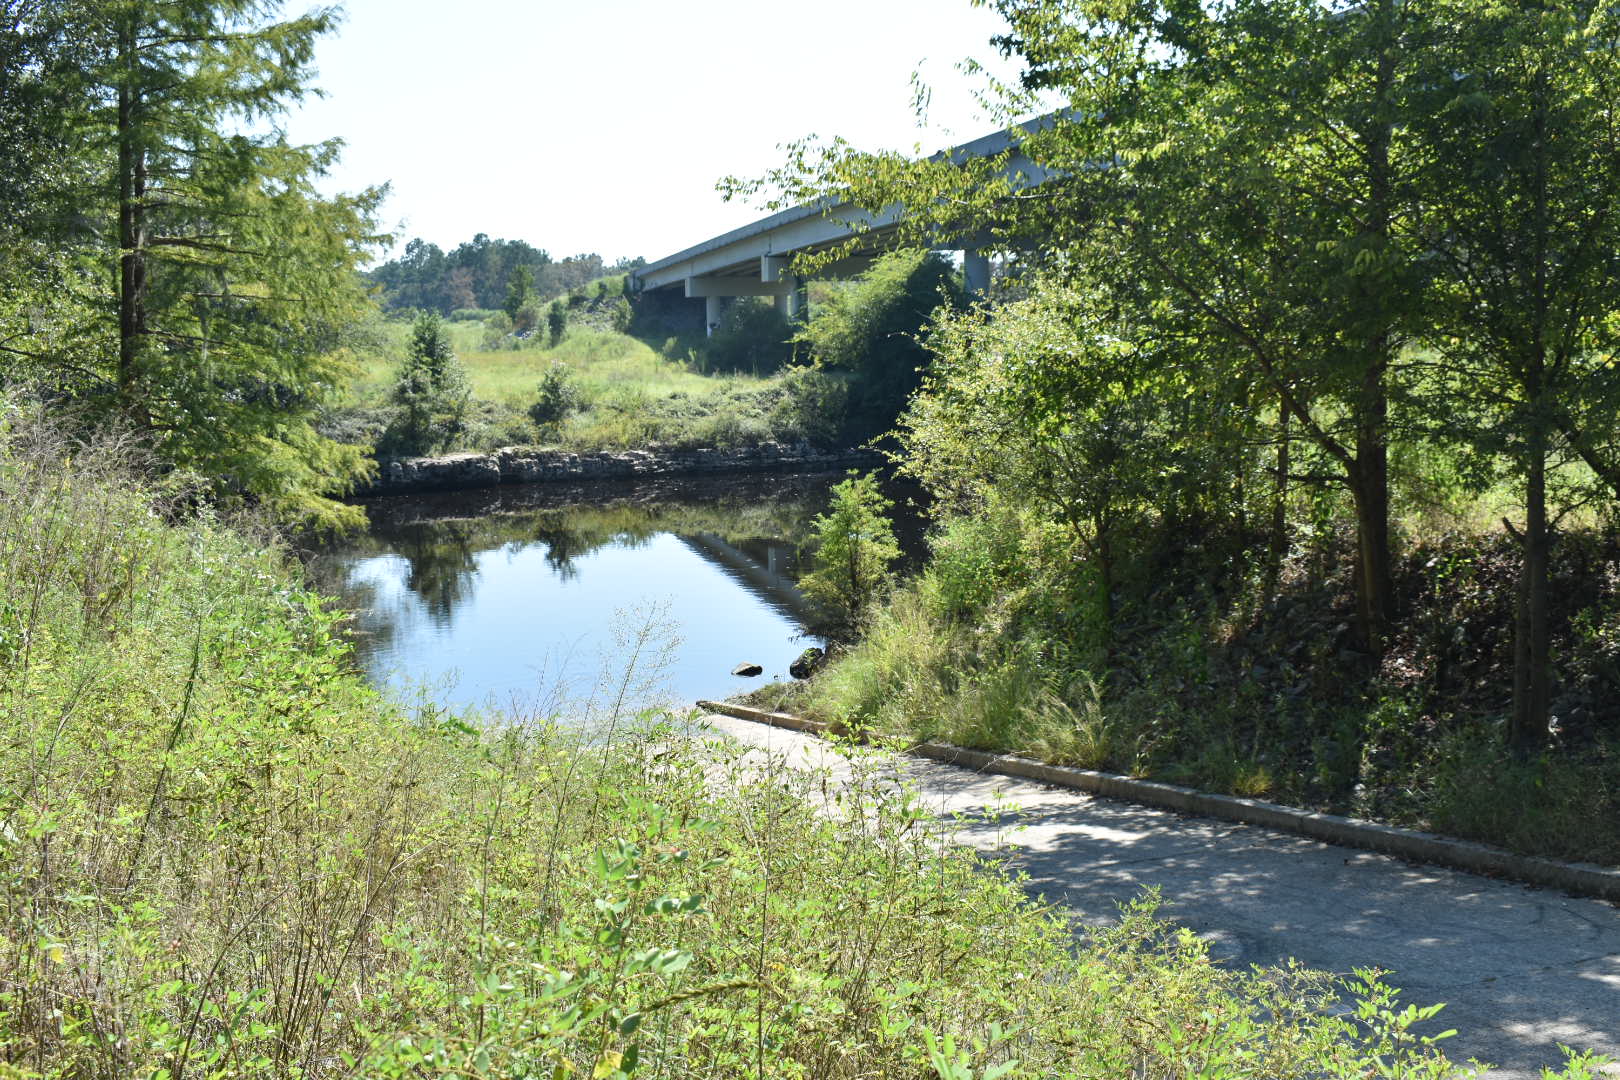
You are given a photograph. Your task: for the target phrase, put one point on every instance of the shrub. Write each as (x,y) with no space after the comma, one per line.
(753,337)
(432,394)
(869,327)
(810,404)
(558,396)
(556,322)
(854,547)
(497,328)
(528,317)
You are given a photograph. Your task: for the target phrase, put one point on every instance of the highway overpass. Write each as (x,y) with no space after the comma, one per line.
(755,260)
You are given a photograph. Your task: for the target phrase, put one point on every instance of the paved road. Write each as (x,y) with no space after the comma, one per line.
(1521,969)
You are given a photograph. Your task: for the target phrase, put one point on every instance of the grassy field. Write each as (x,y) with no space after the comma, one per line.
(626,392)
(602,361)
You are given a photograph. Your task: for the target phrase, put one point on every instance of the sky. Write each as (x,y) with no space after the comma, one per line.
(603,125)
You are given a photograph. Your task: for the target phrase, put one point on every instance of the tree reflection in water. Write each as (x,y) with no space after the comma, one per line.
(750,528)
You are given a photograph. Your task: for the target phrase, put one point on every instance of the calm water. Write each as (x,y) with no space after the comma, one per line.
(530,595)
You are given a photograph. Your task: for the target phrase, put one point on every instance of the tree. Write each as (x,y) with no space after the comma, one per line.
(518,288)
(1522,155)
(432,391)
(854,548)
(557,321)
(1246,160)
(870,328)
(47,294)
(1057,403)
(233,280)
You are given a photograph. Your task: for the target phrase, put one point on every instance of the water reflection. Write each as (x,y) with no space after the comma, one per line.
(512,590)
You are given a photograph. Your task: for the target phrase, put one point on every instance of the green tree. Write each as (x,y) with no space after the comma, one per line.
(1057,404)
(557,321)
(1522,155)
(870,327)
(854,547)
(518,288)
(1255,178)
(432,392)
(233,279)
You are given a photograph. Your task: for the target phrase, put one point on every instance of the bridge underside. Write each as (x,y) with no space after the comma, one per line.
(771,276)
(756,260)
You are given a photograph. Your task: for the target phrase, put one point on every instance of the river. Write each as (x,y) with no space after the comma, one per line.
(528,598)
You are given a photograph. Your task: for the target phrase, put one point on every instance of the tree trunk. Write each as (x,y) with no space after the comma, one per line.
(1369,474)
(132,181)
(1279,506)
(1532,645)
(1369,487)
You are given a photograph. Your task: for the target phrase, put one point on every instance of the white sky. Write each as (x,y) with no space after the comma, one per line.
(602,125)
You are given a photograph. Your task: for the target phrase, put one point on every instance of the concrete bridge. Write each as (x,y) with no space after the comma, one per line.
(756,260)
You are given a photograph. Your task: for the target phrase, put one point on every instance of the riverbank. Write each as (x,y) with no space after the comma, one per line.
(536,465)
(225,855)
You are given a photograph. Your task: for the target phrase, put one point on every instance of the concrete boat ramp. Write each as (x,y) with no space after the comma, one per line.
(1521,969)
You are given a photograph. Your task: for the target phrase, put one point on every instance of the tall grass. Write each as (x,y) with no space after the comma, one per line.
(1238,693)
(222,855)
(631,395)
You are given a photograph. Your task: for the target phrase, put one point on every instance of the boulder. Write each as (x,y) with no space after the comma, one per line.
(808,663)
(747,671)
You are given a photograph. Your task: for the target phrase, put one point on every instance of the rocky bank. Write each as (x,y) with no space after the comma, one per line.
(532,465)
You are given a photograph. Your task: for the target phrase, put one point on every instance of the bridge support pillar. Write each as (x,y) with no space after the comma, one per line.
(711,314)
(976,272)
(798,299)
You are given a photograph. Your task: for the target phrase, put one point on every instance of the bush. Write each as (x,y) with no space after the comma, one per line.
(854,547)
(558,396)
(810,404)
(556,322)
(869,328)
(752,337)
(497,329)
(528,317)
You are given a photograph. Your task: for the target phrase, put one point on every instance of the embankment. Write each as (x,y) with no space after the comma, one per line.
(531,465)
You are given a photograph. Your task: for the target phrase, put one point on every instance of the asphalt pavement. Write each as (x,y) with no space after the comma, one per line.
(1521,969)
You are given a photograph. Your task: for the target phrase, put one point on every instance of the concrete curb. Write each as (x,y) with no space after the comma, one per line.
(1583,879)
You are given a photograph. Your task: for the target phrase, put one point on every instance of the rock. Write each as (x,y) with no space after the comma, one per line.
(531,464)
(748,671)
(808,663)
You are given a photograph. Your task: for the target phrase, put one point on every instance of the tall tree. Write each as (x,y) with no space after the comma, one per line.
(518,287)
(1248,159)
(1522,156)
(233,279)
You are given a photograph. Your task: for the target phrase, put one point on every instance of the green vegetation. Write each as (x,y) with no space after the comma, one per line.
(1220,470)
(868,328)
(484,274)
(169,269)
(431,392)
(577,377)
(854,547)
(224,855)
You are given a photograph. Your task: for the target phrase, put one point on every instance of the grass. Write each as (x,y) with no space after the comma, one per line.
(602,361)
(629,394)
(1237,693)
(222,855)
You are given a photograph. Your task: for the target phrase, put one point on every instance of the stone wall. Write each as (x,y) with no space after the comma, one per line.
(530,465)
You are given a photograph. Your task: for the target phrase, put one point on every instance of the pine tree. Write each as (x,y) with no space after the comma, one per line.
(233,280)
(432,391)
